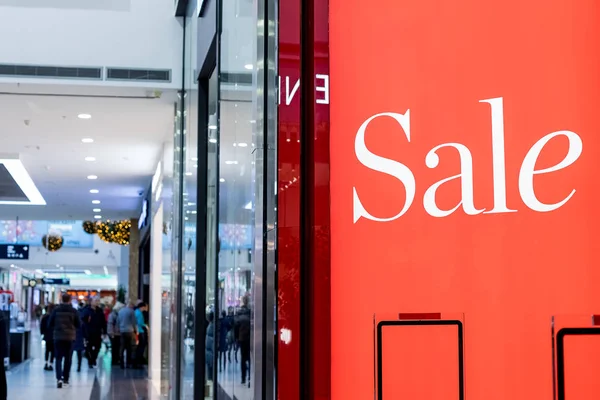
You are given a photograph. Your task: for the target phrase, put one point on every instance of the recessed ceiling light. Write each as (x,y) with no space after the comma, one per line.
(90,159)
(87,140)
(97,210)
(194,158)
(94,191)
(231,162)
(98,216)
(92,177)
(212,127)
(243,144)
(188,173)
(95,201)
(249,66)
(212,140)
(84,116)
(221,180)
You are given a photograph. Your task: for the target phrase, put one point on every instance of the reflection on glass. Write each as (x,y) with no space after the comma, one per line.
(237,89)
(212,243)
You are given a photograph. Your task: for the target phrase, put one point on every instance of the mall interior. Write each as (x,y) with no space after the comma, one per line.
(264,200)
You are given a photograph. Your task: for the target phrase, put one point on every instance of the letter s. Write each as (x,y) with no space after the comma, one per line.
(385,165)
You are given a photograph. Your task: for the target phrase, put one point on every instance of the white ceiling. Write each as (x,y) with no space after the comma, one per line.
(128,125)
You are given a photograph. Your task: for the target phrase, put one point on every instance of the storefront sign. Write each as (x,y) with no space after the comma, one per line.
(14,252)
(464,176)
(57,281)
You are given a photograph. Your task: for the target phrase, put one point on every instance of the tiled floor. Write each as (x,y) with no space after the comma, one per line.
(29,381)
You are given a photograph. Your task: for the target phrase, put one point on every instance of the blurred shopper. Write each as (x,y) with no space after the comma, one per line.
(112,328)
(4,353)
(94,324)
(64,321)
(209,343)
(128,329)
(242,324)
(142,329)
(48,337)
(225,341)
(79,345)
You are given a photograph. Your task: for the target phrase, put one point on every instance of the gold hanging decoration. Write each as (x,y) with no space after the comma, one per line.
(52,242)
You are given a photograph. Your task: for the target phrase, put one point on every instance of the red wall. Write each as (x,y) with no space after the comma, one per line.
(508,272)
(303,222)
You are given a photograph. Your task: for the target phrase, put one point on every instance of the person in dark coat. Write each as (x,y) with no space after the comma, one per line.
(65,322)
(79,345)
(4,353)
(243,323)
(209,344)
(48,336)
(94,328)
(225,326)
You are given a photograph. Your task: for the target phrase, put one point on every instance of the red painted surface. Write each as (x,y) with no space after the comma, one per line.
(288,209)
(316,213)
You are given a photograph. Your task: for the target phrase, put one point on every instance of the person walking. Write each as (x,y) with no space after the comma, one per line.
(79,345)
(48,336)
(94,324)
(4,353)
(142,335)
(243,328)
(128,328)
(112,328)
(64,322)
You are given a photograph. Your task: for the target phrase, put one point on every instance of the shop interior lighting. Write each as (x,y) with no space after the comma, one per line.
(17,170)
(87,140)
(222,180)
(248,206)
(249,66)
(213,140)
(95,201)
(90,159)
(88,272)
(98,216)
(242,144)
(92,177)
(231,162)
(97,210)
(94,191)
(84,116)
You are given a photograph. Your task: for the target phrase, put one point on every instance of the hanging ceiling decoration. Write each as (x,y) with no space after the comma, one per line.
(52,242)
(118,232)
(89,227)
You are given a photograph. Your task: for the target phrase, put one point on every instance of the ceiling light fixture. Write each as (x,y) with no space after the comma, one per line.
(98,216)
(84,116)
(95,201)
(242,144)
(231,162)
(97,210)
(94,191)
(92,177)
(213,140)
(90,159)
(249,66)
(17,171)
(87,140)
(188,173)
(221,180)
